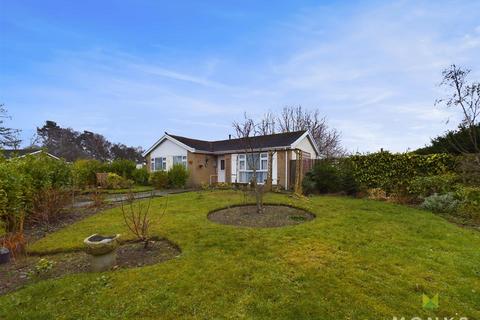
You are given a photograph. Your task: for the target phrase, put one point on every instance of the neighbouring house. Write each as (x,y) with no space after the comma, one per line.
(20,153)
(225,160)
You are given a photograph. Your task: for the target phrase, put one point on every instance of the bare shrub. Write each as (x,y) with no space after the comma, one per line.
(136,217)
(98,199)
(48,205)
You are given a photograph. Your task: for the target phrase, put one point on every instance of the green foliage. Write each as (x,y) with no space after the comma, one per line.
(451,142)
(330,177)
(324,177)
(159,179)
(124,168)
(43,266)
(140,176)
(114,181)
(23,181)
(441,203)
(84,172)
(424,186)
(177,176)
(470,203)
(393,172)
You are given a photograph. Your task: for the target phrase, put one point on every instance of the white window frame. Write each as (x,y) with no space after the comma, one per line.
(163,164)
(182,161)
(262,166)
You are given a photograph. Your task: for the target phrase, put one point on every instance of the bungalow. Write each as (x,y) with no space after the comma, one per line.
(226,161)
(20,153)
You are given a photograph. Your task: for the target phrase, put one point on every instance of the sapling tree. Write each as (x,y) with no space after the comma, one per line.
(136,215)
(247,131)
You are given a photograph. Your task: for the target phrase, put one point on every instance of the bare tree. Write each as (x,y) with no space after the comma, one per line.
(246,132)
(295,118)
(8,137)
(464,96)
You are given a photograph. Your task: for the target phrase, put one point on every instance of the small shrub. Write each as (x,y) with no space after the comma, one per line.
(326,178)
(137,219)
(114,181)
(428,185)
(309,185)
(42,267)
(159,179)
(377,194)
(444,203)
(140,176)
(48,204)
(348,183)
(469,203)
(177,176)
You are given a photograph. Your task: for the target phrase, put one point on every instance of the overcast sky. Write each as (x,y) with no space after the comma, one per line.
(131,70)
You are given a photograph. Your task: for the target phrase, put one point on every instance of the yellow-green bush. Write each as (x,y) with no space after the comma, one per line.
(393,172)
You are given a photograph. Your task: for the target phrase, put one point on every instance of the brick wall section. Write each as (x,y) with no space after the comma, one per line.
(200,170)
(228,168)
(281,168)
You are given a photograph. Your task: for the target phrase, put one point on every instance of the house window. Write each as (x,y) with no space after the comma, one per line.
(159,164)
(222,164)
(247,162)
(180,159)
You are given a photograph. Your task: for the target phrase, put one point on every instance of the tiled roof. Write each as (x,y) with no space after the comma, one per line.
(258,142)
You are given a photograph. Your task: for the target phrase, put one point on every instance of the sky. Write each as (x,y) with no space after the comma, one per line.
(132,70)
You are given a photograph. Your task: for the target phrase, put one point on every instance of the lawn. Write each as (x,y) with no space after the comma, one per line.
(358,259)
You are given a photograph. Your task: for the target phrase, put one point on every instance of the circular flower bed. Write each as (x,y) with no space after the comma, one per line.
(271,217)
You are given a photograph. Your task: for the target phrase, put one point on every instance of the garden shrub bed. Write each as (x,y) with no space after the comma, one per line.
(273,216)
(23,271)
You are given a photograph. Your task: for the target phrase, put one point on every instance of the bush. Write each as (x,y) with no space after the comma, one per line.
(84,172)
(140,176)
(428,185)
(177,176)
(444,203)
(24,183)
(326,178)
(114,181)
(159,179)
(48,205)
(124,168)
(470,203)
(348,183)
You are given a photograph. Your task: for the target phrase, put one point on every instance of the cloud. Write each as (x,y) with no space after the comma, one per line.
(372,69)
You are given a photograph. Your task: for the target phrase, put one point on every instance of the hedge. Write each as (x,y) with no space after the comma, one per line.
(393,172)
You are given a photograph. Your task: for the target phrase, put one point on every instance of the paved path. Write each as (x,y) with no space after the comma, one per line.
(112,198)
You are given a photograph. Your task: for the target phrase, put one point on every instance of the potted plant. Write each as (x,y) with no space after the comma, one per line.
(4,255)
(103,251)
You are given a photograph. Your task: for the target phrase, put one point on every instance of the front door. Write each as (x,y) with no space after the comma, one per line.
(221,169)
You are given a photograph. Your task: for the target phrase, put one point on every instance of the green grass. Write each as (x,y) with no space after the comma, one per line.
(358,259)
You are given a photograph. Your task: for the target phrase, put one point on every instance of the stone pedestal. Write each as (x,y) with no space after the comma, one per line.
(103,251)
(103,262)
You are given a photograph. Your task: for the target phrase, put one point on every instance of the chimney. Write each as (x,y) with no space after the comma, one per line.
(229,137)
